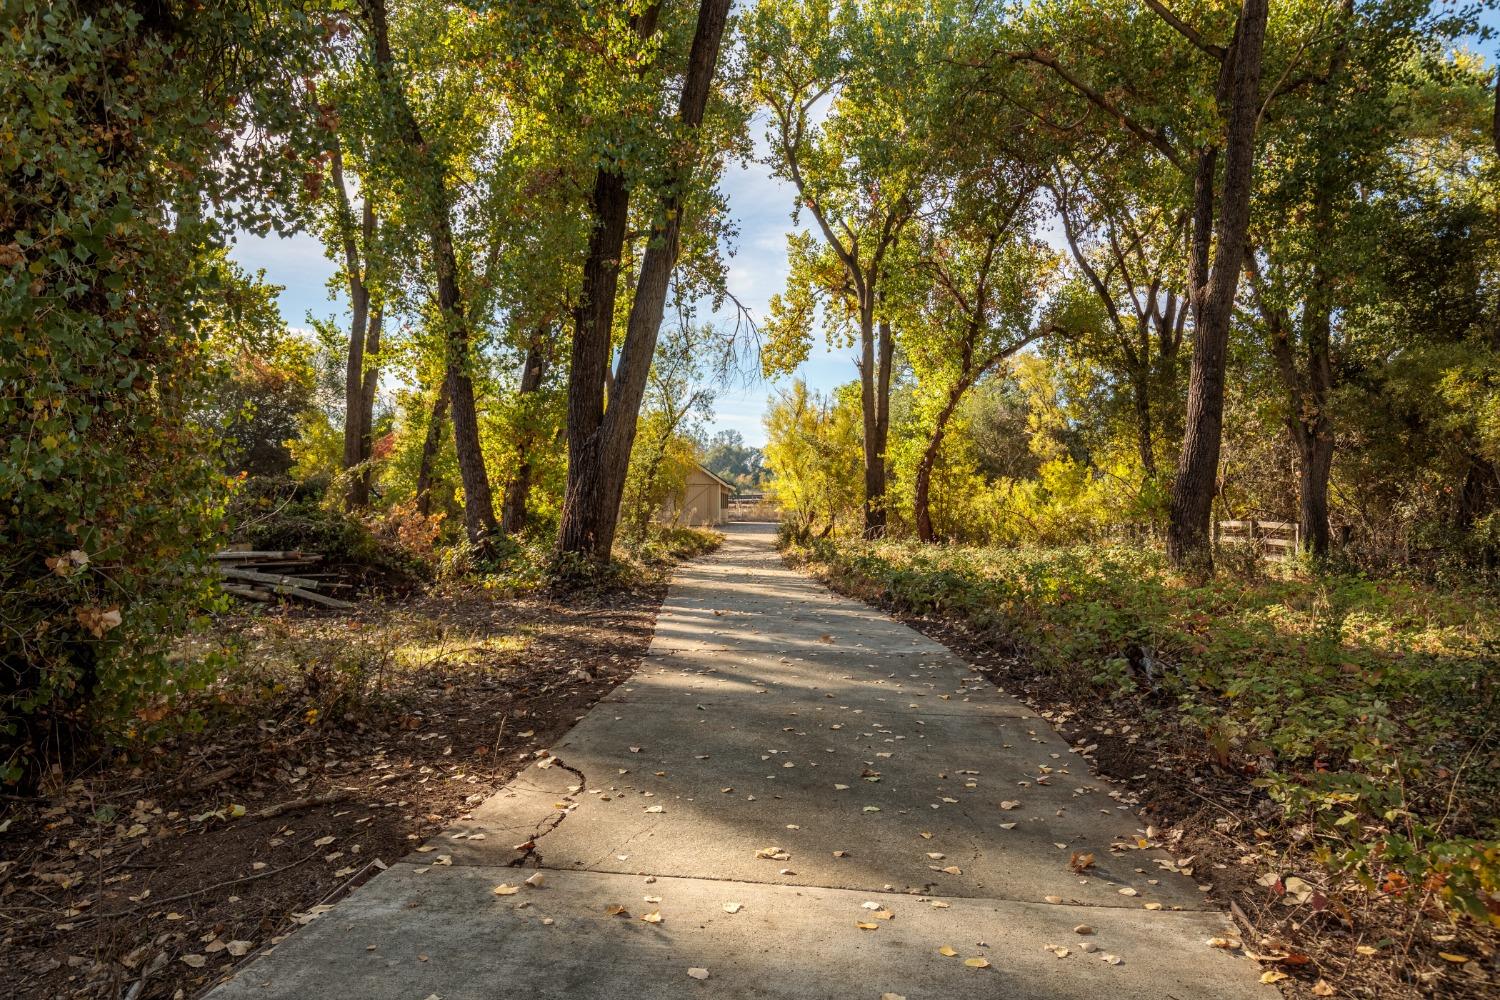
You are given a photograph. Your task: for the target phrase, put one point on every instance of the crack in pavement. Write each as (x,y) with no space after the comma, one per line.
(546,826)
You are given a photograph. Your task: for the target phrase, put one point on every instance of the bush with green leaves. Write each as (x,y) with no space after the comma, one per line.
(125,126)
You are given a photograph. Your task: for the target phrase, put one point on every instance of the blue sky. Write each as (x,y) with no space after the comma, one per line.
(757,270)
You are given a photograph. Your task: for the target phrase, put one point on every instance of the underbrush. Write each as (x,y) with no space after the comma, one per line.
(1363,713)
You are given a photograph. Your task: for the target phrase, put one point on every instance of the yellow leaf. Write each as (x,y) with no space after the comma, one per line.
(1272,976)
(1448,956)
(977,963)
(654,917)
(1322,989)
(865,926)
(946,951)
(505,889)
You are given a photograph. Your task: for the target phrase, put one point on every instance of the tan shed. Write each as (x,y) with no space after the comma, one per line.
(705,500)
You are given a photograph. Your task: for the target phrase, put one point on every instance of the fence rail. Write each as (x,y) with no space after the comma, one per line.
(1278,540)
(752,507)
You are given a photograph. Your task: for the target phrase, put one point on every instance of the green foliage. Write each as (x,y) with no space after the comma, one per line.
(1365,709)
(118,134)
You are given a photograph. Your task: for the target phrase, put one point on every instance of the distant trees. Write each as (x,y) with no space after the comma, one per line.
(726,455)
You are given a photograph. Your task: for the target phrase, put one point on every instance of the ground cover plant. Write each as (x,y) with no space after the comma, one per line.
(1349,723)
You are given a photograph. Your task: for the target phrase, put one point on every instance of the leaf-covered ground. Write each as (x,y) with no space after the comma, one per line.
(1330,744)
(334,745)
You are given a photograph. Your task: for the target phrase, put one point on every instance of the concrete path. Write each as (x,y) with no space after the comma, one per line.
(816,800)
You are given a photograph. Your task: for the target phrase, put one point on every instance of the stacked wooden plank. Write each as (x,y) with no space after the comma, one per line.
(267,575)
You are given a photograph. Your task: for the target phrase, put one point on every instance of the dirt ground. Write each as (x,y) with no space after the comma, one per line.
(363,734)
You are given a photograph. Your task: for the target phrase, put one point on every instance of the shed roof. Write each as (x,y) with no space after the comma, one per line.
(718,479)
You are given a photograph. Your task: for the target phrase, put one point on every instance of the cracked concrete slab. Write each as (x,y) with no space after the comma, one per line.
(771,713)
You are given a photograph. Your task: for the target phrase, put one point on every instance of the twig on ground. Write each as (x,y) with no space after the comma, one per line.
(321,799)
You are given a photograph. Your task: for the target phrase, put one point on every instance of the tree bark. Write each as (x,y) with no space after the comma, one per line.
(513,510)
(922,497)
(1189,539)
(361,483)
(877,349)
(479,505)
(357,415)
(599,447)
(431,444)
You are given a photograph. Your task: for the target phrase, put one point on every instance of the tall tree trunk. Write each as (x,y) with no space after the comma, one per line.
(922,497)
(584,514)
(479,504)
(1314,463)
(1189,541)
(876,350)
(599,449)
(371,382)
(513,511)
(356,414)
(431,445)
(1316,425)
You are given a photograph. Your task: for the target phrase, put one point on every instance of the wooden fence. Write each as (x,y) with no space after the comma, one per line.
(1278,540)
(752,507)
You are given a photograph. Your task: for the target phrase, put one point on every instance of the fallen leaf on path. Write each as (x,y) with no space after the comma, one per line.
(1272,976)
(654,917)
(239,949)
(1449,956)
(1009,804)
(616,910)
(1083,929)
(732,907)
(1128,891)
(1322,988)
(862,925)
(947,951)
(698,973)
(1112,959)
(506,889)
(655,809)
(977,963)
(193,961)
(1081,861)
